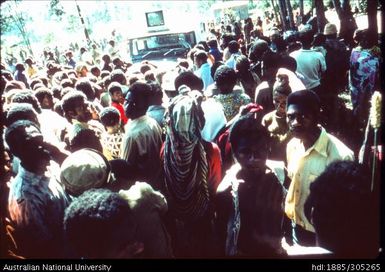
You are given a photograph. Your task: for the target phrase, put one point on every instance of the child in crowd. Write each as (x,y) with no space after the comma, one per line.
(112,138)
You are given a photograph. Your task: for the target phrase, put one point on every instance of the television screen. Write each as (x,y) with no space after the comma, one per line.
(155,18)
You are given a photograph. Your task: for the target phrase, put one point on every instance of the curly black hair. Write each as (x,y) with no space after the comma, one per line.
(109,117)
(21,111)
(98,223)
(248,126)
(27,96)
(189,79)
(225,78)
(84,138)
(344,210)
(85,86)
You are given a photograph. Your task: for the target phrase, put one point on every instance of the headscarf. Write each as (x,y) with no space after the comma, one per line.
(185,162)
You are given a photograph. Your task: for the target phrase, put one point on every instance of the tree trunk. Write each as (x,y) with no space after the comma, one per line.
(19,22)
(283,14)
(275,11)
(320,11)
(83,24)
(290,14)
(347,23)
(337,6)
(372,16)
(301,8)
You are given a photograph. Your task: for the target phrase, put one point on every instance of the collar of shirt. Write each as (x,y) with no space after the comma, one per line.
(32,177)
(320,145)
(76,122)
(140,119)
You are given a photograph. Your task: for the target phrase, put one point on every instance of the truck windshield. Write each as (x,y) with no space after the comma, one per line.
(161,46)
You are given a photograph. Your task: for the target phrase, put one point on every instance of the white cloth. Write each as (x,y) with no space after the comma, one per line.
(215,119)
(295,82)
(231,61)
(204,72)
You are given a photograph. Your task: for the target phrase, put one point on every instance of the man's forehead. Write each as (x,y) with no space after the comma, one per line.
(296,108)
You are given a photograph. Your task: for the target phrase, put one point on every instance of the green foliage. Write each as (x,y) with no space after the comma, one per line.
(204,6)
(49,38)
(252,4)
(295,4)
(56,9)
(363,6)
(73,23)
(263,4)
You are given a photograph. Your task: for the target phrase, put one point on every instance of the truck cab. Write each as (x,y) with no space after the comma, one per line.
(161,41)
(161,45)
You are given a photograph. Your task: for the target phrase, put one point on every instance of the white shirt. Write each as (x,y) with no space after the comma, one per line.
(215,119)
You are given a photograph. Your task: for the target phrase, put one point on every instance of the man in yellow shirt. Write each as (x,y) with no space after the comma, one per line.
(308,154)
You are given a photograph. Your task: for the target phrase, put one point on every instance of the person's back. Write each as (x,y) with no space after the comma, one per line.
(310,64)
(345,211)
(149,207)
(100,224)
(143,136)
(231,100)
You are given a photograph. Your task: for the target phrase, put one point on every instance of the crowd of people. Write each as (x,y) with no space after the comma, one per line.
(243,149)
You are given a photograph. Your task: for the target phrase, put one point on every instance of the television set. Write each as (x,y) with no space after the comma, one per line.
(155,18)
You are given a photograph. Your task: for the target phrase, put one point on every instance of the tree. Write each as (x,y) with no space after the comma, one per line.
(290,14)
(372,16)
(283,13)
(301,13)
(12,19)
(56,9)
(347,22)
(320,11)
(275,11)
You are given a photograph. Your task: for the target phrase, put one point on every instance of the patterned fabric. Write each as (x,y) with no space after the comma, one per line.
(254,227)
(364,70)
(36,206)
(185,162)
(111,145)
(232,102)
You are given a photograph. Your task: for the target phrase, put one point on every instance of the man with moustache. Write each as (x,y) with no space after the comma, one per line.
(308,154)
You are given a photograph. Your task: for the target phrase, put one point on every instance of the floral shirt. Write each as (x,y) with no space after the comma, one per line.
(364,71)
(232,102)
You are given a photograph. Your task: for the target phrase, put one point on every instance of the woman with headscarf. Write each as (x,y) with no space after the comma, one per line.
(192,170)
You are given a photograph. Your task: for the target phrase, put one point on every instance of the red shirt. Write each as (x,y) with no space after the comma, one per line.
(120,108)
